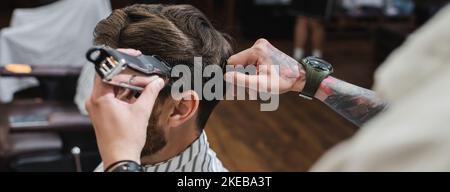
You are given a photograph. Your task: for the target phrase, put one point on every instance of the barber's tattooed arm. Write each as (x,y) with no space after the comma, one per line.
(356,104)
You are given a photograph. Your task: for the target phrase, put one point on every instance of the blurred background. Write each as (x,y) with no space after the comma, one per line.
(41,128)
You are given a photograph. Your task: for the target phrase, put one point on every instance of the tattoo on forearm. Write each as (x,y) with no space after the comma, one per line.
(356,104)
(289,68)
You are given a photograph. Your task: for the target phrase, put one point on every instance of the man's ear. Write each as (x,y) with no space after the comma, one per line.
(185,108)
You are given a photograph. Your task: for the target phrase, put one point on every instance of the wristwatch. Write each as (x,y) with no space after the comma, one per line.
(316,71)
(125,166)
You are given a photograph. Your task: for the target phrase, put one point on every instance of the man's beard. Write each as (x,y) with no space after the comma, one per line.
(155,137)
(155,140)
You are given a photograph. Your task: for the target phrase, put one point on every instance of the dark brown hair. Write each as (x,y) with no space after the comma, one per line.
(174,32)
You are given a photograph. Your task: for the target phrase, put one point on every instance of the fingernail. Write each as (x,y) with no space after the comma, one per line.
(159,83)
(153,78)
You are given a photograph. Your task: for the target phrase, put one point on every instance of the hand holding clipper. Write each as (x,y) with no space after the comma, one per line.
(110,63)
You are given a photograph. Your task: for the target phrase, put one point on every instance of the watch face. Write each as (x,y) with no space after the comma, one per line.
(318,63)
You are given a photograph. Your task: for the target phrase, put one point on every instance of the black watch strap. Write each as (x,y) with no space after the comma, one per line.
(125,166)
(314,78)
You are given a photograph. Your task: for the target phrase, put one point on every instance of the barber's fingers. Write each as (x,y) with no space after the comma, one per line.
(244,80)
(132,52)
(139,81)
(246,57)
(147,98)
(126,95)
(101,89)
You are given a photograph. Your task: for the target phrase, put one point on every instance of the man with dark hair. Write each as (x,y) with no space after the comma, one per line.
(175,137)
(404,124)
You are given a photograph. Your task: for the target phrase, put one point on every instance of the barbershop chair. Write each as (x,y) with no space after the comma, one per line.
(46,134)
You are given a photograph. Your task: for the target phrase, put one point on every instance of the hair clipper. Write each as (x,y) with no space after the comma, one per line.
(109,63)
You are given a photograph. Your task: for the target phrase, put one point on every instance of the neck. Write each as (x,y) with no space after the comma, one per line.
(178,140)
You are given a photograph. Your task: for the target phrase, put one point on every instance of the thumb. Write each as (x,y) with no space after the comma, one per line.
(242,80)
(147,98)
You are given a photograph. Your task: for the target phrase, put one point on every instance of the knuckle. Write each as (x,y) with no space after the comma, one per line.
(97,103)
(88,105)
(233,57)
(262,41)
(259,49)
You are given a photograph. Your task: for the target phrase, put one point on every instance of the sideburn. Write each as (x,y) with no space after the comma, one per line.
(155,135)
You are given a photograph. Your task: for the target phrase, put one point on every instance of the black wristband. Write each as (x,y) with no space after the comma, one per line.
(316,71)
(124,166)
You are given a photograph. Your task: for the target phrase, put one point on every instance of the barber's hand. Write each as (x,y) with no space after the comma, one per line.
(121,126)
(276,72)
